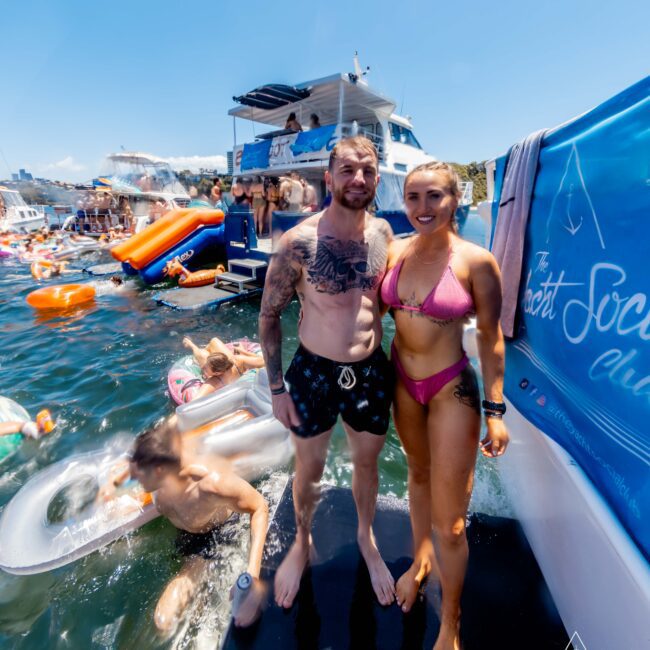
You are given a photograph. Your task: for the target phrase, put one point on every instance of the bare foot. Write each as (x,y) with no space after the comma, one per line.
(408,585)
(380,577)
(187,342)
(448,637)
(289,573)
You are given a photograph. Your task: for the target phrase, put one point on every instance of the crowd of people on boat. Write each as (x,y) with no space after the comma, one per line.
(266,195)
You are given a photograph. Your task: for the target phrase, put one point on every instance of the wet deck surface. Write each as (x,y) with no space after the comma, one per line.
(506,603)
(201,297)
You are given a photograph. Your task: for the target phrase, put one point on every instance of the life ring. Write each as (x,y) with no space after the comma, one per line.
(38,536)
(61,296)
(184,378)
(189,278)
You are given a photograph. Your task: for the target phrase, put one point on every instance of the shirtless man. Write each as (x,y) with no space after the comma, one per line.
(197,494)
(335,261)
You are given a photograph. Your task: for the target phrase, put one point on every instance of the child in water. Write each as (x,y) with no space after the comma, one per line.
(197,494)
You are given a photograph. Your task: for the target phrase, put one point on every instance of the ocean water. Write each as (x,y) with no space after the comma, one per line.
(102,370)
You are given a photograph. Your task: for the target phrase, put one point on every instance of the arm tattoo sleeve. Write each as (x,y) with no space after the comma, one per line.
(279,288)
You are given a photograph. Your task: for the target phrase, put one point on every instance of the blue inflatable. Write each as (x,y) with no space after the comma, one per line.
(192,252)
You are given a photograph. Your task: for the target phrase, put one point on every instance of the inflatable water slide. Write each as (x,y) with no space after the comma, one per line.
(188,234)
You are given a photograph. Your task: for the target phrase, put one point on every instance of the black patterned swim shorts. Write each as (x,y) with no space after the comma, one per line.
(361,391)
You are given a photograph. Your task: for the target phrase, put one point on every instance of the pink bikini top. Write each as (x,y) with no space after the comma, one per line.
(448,300)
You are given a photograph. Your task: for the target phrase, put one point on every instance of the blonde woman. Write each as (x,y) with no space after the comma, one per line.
(435,280)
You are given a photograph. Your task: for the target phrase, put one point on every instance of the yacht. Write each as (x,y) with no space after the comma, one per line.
(148,183)
(346,105)
(15,214)
(576,385)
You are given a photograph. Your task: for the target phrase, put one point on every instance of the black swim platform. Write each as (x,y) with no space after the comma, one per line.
(506,604)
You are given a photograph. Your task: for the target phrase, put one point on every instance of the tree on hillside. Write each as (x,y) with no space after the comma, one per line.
(475,172)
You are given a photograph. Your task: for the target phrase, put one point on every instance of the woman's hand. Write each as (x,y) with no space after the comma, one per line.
(496,440)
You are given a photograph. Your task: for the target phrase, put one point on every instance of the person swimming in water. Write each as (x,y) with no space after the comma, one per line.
(198,494)
(30,429)
(221,365)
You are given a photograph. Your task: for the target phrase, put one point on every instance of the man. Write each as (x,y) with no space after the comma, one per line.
(335,261)
(309,201)
(196,498)
(291,193)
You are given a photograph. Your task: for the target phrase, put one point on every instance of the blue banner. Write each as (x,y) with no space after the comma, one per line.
(255,156)
(580,368)
(312,140)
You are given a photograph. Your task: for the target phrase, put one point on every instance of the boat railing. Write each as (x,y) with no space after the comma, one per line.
(467,189)
(284,154)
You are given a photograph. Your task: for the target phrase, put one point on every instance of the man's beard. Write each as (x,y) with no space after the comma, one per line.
(356,203)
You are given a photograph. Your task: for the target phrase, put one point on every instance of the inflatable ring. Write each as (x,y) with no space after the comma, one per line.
(38,268)
(61,296)
(184,378)
(11,411)
(56,517)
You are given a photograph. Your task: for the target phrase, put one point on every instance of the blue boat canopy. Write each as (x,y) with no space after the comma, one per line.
(272,96)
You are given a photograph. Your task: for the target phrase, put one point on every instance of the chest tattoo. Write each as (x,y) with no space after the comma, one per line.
(333,266)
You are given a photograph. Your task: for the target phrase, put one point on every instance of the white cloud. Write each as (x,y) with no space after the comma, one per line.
(194,163)
(67,164)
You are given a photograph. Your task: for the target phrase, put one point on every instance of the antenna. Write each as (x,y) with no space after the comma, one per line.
(358,73)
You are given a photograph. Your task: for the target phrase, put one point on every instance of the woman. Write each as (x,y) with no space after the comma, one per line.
(259,204)
(292,123)
(272,202)
(434,281)
(238,193)
(220,365)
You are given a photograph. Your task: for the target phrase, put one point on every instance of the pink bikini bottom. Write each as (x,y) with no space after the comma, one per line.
(422,390)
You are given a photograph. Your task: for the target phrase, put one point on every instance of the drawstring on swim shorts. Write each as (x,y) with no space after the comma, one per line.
(347,379)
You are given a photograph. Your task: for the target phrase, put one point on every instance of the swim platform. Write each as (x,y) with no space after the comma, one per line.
(506,603)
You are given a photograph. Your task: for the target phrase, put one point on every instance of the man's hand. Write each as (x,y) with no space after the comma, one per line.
(285,410)
(251,607)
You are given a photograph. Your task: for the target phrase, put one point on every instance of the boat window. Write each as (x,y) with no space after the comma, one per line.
(13,200)
(402,134)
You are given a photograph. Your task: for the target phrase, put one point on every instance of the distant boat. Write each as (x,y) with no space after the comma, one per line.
(15,214)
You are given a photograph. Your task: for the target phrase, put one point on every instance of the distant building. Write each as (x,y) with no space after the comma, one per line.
(24,176)
(15,177)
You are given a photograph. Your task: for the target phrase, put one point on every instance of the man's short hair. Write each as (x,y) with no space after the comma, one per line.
(155,447)
(359,143)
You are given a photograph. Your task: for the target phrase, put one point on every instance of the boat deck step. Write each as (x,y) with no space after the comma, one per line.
(234,278)
(246,263)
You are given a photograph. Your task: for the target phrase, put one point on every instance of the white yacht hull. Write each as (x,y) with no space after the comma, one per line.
(598,578)
(22,222)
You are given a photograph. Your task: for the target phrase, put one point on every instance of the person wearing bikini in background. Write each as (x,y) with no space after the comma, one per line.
(259,204)
(435,280)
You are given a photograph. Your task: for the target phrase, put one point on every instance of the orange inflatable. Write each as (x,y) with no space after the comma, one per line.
(61,296)
(189,278)
(160,236)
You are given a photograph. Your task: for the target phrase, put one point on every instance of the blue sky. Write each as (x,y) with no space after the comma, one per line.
(80,79)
